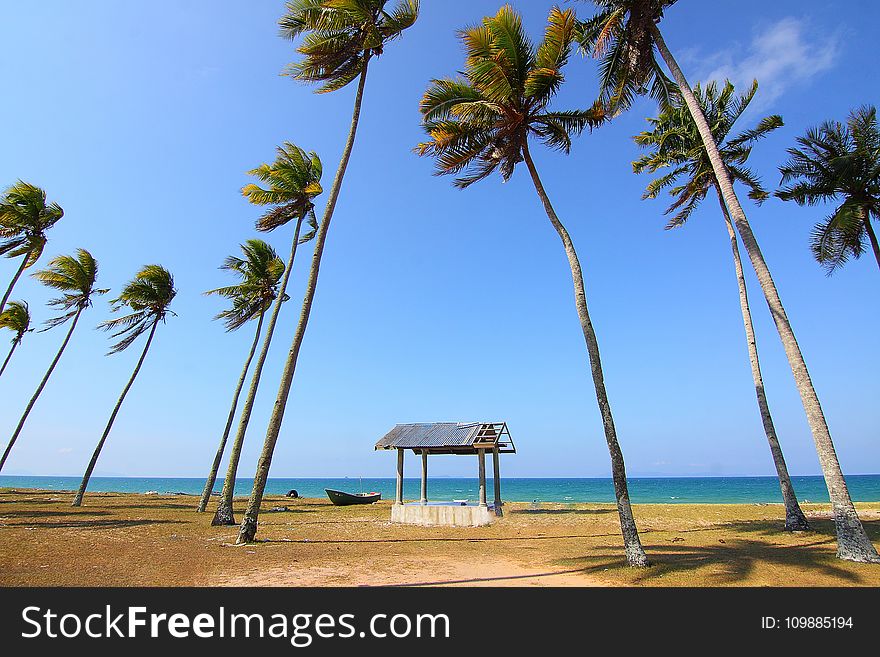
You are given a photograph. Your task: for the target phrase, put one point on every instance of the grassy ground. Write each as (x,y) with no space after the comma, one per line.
(125,540)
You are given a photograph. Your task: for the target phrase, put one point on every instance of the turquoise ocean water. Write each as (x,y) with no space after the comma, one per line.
(705,490)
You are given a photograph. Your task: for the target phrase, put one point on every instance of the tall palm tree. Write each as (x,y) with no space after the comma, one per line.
(259,272)
(16,318)
(482,123)
(340,39)
(148,296)
(625,34)
(25,216)
(75,278)
(292,182)
(675,143)
(837,161)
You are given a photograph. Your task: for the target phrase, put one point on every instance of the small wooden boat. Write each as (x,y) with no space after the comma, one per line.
(341,498)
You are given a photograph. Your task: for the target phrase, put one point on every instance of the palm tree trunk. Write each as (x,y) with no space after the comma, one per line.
(14,280)
(635,554)
(77,501)
(249,523)
(872,236)
(223,515)
(795,520)
(42,385)
(853,543)
(8,356)
(215,465)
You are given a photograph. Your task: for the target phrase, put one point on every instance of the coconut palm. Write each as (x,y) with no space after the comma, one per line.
(482,123)
(625,34)
(74,277)
(292,183)
(675,144)
(16,318)
(25,216)
(838,161)
(339,40)
(148,296)
(259,272)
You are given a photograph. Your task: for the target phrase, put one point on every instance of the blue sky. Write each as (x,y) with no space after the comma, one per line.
(141,119)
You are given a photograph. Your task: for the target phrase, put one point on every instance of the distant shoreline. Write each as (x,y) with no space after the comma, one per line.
(643,490)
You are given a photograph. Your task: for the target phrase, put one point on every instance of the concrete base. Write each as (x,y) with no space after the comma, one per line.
(442,515)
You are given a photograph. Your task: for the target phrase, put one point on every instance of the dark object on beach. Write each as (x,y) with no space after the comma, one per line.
(341,498)
(292,493)
(279,509)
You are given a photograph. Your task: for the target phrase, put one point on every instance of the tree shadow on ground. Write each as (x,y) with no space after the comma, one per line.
(733,562)
(430,539)
(33,501)
(49,514)
(95,524)
(495,579)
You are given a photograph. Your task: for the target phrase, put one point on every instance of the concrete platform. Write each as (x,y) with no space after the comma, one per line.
(442,515)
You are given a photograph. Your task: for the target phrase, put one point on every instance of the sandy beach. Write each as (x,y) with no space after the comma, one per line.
(159,540)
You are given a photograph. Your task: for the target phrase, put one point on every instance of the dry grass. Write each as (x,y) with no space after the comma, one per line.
(127,540)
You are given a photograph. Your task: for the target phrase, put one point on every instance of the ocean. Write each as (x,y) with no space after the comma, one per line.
(676,490)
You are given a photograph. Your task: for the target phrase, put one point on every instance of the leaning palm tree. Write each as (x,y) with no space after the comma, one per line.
(625,34)
(16,318)
(259,272)
(675,144)
(340,39)
(292,183)
(148,296)
(482,123)
(838,161)
(75,278)
(25,216)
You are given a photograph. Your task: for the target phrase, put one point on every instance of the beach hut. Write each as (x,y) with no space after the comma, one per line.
(461,438)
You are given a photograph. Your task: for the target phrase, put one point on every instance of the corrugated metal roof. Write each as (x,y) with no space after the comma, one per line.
(433,434)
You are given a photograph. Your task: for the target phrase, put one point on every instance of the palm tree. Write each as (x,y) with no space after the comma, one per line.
(293,181)
(16,318)
(148,296)
(482,122)
(340,39)
(75,278)
(259,272)
(625,33)
(838,161)
(25,216)
(675,143)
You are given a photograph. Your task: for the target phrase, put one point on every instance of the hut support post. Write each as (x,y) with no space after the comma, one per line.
(496,479)
(481,455)
(424,499)
(399,497)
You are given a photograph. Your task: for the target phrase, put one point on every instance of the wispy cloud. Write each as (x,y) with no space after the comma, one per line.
(65,450)
(780,56)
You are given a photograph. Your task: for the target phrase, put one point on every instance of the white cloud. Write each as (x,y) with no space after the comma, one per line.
(780,56)
(65,450)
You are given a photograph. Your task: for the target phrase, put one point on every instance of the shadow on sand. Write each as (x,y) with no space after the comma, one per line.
(95,524)
(733,561)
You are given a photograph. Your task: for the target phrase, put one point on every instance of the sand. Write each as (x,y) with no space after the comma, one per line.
(159,540)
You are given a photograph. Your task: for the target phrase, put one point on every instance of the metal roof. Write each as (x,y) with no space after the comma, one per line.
(450,437)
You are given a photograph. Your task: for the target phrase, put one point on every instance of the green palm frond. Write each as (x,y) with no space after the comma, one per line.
(148,296)
(837,162)
(478,123)
(619,35)
(25,216)
(292,181)
(17,318)
(74,276)
(259,273)
(340,36)
(674,142)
